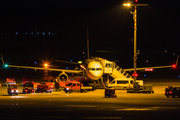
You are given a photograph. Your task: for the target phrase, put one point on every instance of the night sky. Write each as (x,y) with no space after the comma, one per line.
(56,29)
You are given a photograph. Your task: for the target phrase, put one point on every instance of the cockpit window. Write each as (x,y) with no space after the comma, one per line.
(95,69)
(100,69)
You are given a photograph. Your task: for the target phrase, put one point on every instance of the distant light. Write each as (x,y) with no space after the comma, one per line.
(135,74)
(31,32)
(35,62)
(136,0)
(148,69)
(144,75)
(52,33)
(66,67)
(165,50)
(45,64)
(80,62)
(43,33)
(25,32)
(17,67)
(26,69)
(38,33)
(71,60)
(49,33)
(147,61)
(83,52)
(178,76)
(16,33)
(128,4)
(173,53)
(174,66)
(5,65)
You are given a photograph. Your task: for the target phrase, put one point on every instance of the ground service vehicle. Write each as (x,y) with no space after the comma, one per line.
(172,91)
(147,88)
(110,92)
(44,88)
(12,89)
(59,86)
(121,83)
(35,85)
(28,87)
(76,87)
(10,81)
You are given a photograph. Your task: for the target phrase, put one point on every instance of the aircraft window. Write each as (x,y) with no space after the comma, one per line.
(74,84)
(89,68)
(125,73)
(93,69)
(122,82)
(100,69)
(77,84)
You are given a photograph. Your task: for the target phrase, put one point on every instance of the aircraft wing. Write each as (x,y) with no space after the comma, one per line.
(143,68)
(50,69)
(156,67)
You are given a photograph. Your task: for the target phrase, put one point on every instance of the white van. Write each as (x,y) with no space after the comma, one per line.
(122,83)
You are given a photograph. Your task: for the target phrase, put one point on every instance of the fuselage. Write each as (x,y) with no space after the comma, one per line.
(94,70)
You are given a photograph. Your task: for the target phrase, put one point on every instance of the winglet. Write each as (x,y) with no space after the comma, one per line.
(177,60)
(2,59)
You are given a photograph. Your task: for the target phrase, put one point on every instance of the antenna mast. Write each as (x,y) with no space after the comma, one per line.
(87,43)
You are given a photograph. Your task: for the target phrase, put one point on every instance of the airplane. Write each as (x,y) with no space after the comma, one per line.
(93,68)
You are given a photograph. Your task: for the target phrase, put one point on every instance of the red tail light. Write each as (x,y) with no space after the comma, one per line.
(32,90)
(170,92)
(24,82)
(26,90)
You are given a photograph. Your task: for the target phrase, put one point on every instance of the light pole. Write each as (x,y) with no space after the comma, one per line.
(135,34)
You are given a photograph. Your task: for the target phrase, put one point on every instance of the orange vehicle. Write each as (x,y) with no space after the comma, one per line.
(59,86)
(12,89)
(35,85)
(76,87)
(28,87)
(44,88)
